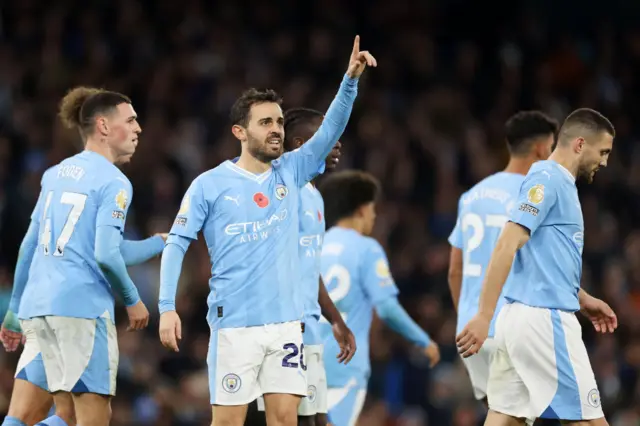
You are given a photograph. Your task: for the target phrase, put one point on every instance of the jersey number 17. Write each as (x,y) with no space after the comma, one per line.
(77,203)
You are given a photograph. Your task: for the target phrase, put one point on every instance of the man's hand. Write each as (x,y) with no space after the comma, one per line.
(138,316)
(346,341)
(170,330)
(433,353)
(472,337)
(11,332)
(359,60)
(600,314)
(163,236)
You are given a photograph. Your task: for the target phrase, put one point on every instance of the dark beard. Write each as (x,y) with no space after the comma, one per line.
(263,153)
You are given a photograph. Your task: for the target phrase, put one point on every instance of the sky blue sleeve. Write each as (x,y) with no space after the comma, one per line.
(309,159)
(114,203)
(393,314)
(456,237)
(377,280)
(170,268)
(109,259)
(193,212)
(135,252)
(25,256)
(536,198)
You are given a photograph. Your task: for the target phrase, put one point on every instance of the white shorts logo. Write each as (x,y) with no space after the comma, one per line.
(231,383)
(594,398)
(311,393)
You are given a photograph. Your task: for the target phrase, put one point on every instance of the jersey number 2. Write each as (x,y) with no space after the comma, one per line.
(474,221)
(77,202)
(343,283)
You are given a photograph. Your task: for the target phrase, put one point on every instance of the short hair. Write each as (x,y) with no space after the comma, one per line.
(584,122)
(81,105)
(241,109)
(344,192)
(524,127)
(294,120)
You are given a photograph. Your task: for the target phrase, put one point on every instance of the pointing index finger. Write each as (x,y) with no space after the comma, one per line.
(356,45)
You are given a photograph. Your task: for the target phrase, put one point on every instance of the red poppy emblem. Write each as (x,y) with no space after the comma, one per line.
(319,216)
(261,200)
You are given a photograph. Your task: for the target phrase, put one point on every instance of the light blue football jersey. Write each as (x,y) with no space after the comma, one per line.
(78,195)
(312,227)
(251,225)
(547,269)
(356,272)
(482,213)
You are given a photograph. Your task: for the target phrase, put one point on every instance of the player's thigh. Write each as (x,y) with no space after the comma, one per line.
(65,408)
(80,355)
(507,393)
(594,422)
(478,368)
(345,404)
(284,368)
(29,403)
(234,359)
(500,419)
(228,415)
(92,409)
(548,352)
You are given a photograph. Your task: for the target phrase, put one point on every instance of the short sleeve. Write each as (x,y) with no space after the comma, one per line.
(377,280)
(455,239)
(193,212)
(114,203)
(536,198)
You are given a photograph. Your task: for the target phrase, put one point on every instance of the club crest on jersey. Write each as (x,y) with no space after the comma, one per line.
(184,206)
(261,200)
(121,199)
(281,192)
(536,194)
(231,383)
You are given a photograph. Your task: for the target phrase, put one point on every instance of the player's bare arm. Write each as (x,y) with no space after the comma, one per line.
(600,314)
(341,332)
(455,275)
(472,337)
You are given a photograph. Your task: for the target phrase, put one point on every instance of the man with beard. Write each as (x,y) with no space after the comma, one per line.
(248,212)
(541,367)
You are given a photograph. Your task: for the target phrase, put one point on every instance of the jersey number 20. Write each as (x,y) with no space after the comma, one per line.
(77,202)
(474,221)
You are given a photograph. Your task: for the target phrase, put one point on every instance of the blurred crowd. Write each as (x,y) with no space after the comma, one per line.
(428,122)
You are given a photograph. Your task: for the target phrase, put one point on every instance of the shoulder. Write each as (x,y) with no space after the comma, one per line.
(370,245)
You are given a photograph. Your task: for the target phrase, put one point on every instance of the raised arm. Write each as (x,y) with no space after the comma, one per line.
(310,157)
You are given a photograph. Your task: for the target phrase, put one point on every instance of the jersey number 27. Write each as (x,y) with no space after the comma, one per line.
(77,202)
(477,224)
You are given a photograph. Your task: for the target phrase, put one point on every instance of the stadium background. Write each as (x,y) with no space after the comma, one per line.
(427,122)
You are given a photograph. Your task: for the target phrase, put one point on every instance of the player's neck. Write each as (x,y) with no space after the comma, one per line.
(350,223)
(252,164)
(519,165)
(100,148)
(566,159)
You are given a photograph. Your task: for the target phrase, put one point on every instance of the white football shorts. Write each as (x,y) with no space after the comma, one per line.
(478,368)
(316,399)
(79,355)
(247,362)
(541,368)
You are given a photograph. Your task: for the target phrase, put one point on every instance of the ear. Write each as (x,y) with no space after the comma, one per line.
(239,132)
(102,126)
(579,145)
(297,142)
